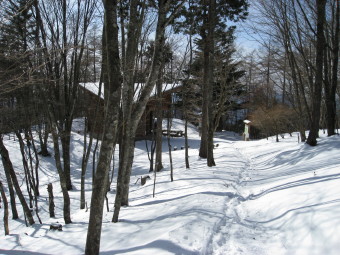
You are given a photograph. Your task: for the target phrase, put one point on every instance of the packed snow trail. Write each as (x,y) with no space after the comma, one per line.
(228,237)
(285,202)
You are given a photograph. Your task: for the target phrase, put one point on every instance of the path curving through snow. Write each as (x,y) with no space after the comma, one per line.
(286,198)
(234,235)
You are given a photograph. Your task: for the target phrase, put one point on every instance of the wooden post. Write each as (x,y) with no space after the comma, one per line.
(50,200)
(3,195)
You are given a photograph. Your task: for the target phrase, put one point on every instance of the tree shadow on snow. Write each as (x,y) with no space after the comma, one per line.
(161,245)
(294,184)
(297,210)
(17,252)
(294,161)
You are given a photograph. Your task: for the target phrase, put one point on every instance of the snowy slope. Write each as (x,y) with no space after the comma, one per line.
(262,197)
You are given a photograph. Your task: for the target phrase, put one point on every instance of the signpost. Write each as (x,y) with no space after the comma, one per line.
(246,129)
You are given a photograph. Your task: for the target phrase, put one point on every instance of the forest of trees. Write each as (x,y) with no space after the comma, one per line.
(48,48)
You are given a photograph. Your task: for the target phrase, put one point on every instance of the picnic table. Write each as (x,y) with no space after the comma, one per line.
(173,133)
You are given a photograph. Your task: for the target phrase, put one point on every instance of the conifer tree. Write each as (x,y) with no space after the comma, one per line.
(208,19)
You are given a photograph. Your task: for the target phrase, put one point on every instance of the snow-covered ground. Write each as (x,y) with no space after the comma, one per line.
(262,197)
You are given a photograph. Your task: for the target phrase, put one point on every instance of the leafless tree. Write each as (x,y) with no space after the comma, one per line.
(8,167)
(5,203)
(165,16)
(317,88)
(63,27)
(112,94)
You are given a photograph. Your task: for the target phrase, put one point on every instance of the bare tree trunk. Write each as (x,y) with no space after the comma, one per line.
(36,165)
(43,137)
(151,152)
(6,161)
(303,135)
(169,146)
(159,122)
(128,136)
(63,63)
(159,142)
(331,79)
(87,151)
(139,106)
(63,183)
(112,101)
(66,143)
(203,152)
(154,183)
(12,196)
(28,176)
(207,146)
(186,144)
(185,99)
(316,97)
(86,156)
(211,46)
(34,170)
(126,180)
(4,199)
(94,156)
(113,167)
(50,200)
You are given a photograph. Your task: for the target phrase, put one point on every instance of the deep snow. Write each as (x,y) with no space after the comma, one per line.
(262,197)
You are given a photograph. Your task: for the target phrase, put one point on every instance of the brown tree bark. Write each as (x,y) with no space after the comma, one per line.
(63,183)
(207,145)
(316,97)
(50,200)
(4,199)
(211,45)
(169,146)
(331,61)
(65,138)
(127,147)
(43,137)
(139,107)
(6,161)
(63,63)
(112,88)
(12,196)
(203,152)
(159,121)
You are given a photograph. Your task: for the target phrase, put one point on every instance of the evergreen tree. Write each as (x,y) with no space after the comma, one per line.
(208,20)
(16,37)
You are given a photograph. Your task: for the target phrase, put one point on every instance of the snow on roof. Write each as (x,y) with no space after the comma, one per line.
(165,87)
(94,88)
